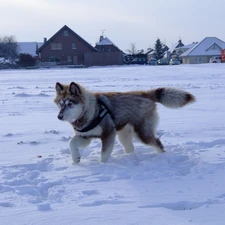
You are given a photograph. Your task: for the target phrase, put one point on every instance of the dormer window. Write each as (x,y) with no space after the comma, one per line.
(65,33)
(214,46)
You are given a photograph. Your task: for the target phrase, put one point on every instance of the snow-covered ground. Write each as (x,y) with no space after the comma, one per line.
(39,185)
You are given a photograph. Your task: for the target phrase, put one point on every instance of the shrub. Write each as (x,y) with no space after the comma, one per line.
(26,60)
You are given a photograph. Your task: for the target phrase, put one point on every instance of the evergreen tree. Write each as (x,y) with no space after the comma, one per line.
(160,49)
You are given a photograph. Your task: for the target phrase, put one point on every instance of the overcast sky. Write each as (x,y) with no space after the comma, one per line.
(124,21)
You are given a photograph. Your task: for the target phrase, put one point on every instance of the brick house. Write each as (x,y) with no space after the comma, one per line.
(107,54)
(67,47)
(106,45)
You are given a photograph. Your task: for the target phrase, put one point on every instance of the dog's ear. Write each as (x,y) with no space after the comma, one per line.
(58,87)
(74,89)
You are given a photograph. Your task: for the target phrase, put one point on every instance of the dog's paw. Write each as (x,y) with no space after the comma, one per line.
(104,159)
(75,161)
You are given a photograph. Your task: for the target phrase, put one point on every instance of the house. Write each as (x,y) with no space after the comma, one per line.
(65,47)
(203,51)
(184,48)
(175,50)
(68,48)
(107,54)
(106,45)
(150,53)
(180,50)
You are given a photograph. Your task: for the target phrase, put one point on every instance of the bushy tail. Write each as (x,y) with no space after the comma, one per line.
(171,97)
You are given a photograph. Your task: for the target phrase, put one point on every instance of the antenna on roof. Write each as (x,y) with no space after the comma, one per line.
(103,31)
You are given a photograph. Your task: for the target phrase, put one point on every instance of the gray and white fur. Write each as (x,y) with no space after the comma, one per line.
(130,114)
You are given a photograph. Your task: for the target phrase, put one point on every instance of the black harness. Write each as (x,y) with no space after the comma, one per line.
(104,110)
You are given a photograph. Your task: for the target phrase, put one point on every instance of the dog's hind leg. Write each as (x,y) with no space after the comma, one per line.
(157,145)
(145,132)
(150,139)
(125,136)
(77,143)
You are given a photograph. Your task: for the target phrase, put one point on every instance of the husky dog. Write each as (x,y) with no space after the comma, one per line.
(103,115)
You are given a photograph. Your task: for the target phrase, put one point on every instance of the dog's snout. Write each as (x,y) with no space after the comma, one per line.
(60,116)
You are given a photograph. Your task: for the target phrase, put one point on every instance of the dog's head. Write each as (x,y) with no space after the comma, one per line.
(69,100)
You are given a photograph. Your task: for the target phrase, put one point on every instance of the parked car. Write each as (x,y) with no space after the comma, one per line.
(135,59)
(152,62)
(174,61)
(162,62)
(215,59)
(139,60)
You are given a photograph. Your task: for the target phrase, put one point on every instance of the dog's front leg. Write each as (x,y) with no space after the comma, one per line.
(107,145)
(76,143)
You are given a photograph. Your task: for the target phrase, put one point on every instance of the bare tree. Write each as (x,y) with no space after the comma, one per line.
(132,50)
(8,47)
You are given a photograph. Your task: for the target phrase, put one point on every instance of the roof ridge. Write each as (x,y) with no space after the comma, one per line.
(65,26)
(203,46)
(195,46)
(109,42)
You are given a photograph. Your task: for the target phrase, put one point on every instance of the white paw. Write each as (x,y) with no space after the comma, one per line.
(104,158)
(75,161)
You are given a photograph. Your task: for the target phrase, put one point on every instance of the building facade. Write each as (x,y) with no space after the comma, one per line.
(67,48)
(204,50)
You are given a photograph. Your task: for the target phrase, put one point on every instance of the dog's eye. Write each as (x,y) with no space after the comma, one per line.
(61,103)
(70,104)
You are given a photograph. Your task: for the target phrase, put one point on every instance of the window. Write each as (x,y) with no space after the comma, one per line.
(69,58)
(65,33)
(198,59)
(54,59)
(56,46)
(73,45)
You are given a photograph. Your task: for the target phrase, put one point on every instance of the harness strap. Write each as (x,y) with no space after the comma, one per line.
(104,110)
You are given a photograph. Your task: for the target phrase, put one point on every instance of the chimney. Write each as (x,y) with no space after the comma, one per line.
(45,39)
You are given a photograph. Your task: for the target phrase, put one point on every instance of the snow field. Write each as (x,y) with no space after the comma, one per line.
(185,185)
